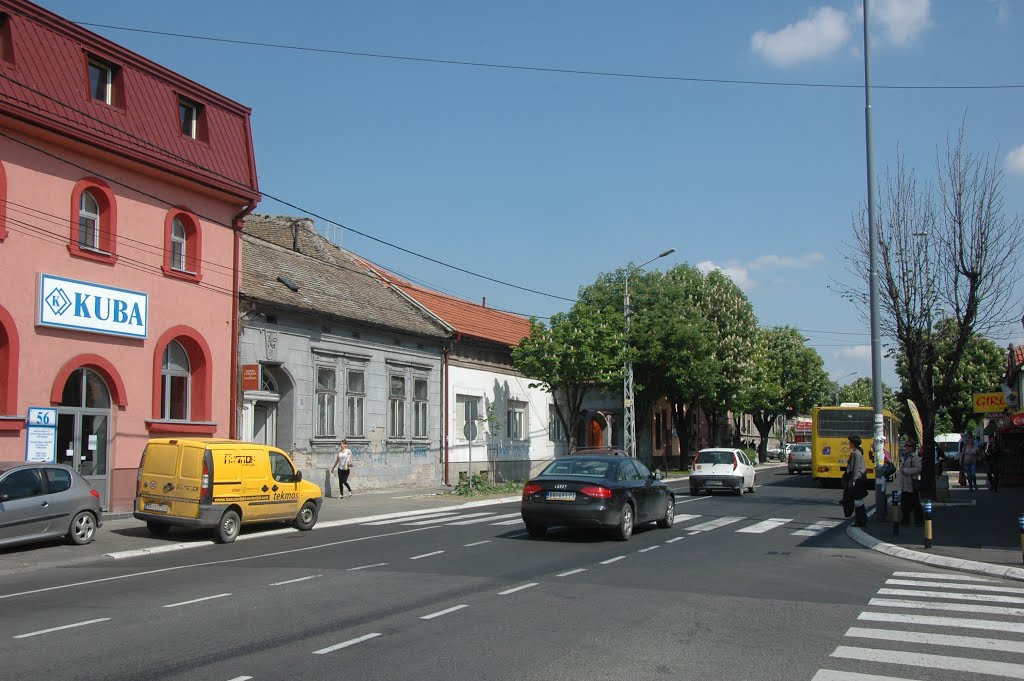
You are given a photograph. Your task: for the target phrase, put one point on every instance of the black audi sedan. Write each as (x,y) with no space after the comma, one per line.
(593,490)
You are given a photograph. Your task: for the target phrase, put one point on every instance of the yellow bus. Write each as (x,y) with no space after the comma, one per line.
(830,426)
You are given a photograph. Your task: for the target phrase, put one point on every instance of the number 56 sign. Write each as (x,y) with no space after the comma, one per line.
(41,444)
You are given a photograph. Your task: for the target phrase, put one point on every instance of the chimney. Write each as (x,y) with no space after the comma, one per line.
(484,304)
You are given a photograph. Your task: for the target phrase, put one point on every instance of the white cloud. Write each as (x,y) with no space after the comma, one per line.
(739,274)
(901,20)
(860,352)
(1015,160)
(823,32)
(785,262)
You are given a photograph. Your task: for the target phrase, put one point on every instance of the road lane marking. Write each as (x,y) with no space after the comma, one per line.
(514,521)
(367,567)
(938,575)
(960,622)
(978,643)
(958,664)
(955,585)
(649,548)
(478,543)
(503,516)
(66,626)
(814,529)
(292,581)
(195,600)
(691,500)
(444,520)
(345,644)
(405,519)
(240,678)
(673,540)
(571,572)
(443,612)
(765,525)
(952,607)
(514,589)
(224,561)
(830,675)
(683,517)
(611,560)
(714,524)
(426,555)
(981,598)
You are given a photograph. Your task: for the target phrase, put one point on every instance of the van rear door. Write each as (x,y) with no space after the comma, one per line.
(170,479)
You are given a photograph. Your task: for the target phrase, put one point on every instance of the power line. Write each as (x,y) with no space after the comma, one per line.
(546,69)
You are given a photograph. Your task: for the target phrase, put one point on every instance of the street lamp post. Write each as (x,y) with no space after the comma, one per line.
(628,407)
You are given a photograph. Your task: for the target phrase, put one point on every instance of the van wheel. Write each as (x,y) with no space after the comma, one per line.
(227,529)
(307,517)
(158,529)
(83,528)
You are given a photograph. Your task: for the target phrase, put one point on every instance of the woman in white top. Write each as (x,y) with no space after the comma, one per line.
(343,462)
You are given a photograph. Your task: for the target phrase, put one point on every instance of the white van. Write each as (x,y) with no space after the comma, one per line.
(949,445)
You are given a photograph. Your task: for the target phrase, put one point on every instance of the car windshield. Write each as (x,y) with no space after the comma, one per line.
(715,457)
(801,448)
(580,467)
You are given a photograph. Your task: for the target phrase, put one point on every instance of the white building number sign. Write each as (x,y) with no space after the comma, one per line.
(41,444)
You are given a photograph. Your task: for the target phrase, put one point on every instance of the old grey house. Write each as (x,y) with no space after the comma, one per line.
(328,351)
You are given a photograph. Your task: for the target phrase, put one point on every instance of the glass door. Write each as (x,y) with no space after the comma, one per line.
(83,425)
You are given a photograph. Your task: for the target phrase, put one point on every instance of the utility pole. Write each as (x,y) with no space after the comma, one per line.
(628,406)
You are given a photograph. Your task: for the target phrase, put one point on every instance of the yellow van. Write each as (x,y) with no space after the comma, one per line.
(221,484)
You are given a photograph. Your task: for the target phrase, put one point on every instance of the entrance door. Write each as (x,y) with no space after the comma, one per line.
(596,435)
(264,427)
(83,427)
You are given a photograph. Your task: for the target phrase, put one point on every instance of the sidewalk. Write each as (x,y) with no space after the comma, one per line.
(973,532)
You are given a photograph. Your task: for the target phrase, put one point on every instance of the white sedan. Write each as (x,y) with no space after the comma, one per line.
(721,469)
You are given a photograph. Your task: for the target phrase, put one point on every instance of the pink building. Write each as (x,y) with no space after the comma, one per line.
(122,190)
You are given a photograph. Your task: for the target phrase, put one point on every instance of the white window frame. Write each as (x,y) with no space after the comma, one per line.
(186,107)
(179,245)
(556,433)
(88,222)
(166,375)
(420,407)
(396,407)
(355,402)
(517,421)
(326,401)
(467,407)
(107,84)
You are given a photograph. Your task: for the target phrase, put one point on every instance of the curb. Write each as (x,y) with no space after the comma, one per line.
(866,540)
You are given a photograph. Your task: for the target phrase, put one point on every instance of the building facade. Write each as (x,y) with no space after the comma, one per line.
(122,189)
(327,351)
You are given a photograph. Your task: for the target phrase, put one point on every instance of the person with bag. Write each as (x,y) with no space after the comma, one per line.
(969,462)
(910,485)
(343,462)
(855,483)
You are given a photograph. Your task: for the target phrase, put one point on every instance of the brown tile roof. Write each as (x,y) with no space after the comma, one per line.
(329,279)
(471,320)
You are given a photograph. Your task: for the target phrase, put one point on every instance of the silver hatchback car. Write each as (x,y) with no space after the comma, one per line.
(46,501)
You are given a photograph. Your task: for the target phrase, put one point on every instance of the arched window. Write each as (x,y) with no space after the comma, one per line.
(183,245)
(3,203)
(178,245)
(89,221)
(93,221)
(175,383)
(9,350)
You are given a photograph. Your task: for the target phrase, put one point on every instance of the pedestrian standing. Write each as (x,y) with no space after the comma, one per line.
(992,464)
(910,485)
(855,481)
(969,462)
(343,462)
(883,469)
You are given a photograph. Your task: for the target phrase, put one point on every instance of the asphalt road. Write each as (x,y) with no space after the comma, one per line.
(765,586)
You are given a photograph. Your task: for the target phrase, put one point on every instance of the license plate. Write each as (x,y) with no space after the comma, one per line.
(162,508)
(561,496)
(713,483)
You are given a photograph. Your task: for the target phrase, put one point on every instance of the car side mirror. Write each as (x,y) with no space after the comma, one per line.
(659,476)
(298,476)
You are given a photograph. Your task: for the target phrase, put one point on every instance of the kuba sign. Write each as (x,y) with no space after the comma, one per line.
(80,305)
(989,403)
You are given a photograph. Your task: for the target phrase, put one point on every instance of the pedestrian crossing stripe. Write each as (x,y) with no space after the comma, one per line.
(933,620)
(955,585)
(951,607)
(1010,670)
(942,576)
(981,598)
(974,642)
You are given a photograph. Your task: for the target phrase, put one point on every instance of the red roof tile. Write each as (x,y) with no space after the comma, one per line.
(468,319)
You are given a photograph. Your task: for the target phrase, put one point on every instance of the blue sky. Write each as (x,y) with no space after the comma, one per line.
(547,179)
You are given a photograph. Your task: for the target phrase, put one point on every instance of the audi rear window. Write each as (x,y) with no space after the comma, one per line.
(588,469)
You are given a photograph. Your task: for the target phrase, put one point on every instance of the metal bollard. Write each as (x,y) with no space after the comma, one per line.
(1020,521)
(927,523)
(894,512)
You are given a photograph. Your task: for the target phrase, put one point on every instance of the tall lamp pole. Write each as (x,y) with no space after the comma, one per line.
(628,407)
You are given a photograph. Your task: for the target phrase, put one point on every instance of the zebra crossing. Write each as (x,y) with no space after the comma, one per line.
(900,640)
(689,523)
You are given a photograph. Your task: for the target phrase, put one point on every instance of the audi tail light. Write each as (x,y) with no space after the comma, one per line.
(597,492)
(531,488)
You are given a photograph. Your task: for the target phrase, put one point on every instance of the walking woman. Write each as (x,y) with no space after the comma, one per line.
(855,482)
(343,462)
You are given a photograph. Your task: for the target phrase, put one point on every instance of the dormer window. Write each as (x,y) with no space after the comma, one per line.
(101,81)
(6,46)
(192,119)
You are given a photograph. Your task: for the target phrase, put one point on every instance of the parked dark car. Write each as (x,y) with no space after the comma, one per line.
(596,490)
(45,501)
(612,451)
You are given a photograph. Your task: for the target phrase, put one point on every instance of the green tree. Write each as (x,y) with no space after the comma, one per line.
(861,391)
(580,350)
(785,378)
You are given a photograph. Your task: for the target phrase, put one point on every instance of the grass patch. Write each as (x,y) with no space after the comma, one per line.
(478,486)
